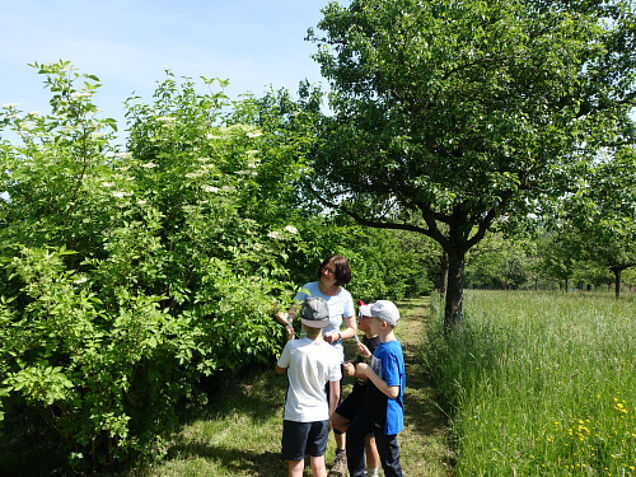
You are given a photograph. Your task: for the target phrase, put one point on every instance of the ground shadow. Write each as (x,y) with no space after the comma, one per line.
(264,464)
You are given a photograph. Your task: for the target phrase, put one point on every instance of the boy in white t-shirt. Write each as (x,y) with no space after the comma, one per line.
(310,363)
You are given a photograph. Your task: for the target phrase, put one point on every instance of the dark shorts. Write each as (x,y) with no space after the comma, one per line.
(304,438)
(352,405)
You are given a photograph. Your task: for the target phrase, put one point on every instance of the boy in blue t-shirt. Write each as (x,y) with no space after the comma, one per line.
(383,412)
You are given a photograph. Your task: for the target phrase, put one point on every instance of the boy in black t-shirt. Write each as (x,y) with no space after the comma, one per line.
(383,409)
(353,404)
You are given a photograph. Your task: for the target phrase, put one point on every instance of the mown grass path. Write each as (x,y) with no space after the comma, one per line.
(424,449)
(239,433)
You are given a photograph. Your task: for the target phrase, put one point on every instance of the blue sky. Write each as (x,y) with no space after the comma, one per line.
(129,44)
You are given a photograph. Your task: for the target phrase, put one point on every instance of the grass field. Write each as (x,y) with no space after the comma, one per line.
(540,384)
(239,433)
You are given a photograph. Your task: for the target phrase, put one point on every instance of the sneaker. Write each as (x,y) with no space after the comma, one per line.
(339,467)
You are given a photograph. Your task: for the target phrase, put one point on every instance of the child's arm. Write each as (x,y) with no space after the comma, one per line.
(334,397)
(283,362)
(365,370)
(349,369)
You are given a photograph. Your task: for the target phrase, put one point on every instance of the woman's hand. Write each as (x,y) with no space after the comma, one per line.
(332,336)
(289,331)
(286,319)
(283,317)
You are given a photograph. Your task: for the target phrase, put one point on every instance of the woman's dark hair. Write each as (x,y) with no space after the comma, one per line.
(342,271)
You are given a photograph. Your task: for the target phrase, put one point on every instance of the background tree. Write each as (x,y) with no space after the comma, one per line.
(497,262)
(560,256)
(448,115)
(604,212)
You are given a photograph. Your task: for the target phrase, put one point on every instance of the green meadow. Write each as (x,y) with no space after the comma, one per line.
(539,384)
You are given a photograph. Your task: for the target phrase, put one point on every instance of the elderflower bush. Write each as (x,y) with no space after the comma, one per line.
(128,277)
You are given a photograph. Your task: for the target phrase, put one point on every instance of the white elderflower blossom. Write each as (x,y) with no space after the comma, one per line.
(149,165)
(238,127)
(209,188)
(291,229)
(37,114)
(98,134)
(123,155)
(10,105)
(275,235)
(108,184)
(27,125)
(142,202)
(80,280)
(213,136)
(165,119)
(121,194)
(254,134)
(80,94)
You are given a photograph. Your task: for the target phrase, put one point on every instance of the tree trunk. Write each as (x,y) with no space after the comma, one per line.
(617,282)
(567,284)
(444,275)
(454,292)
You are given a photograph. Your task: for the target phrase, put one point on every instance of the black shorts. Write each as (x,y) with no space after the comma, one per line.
(304,438)
(352,405)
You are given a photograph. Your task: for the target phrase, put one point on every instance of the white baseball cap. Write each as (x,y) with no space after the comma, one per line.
(385,310)
(364,310)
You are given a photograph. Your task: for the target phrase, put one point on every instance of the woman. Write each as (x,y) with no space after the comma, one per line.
(333,273)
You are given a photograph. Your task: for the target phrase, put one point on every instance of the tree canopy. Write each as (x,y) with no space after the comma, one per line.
(449,115)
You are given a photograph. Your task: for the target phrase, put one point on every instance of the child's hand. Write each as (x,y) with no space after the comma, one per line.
(363,351)
(349,369)
(362,368)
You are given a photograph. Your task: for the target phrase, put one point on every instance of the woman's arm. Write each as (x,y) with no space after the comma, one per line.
(287,320)
(348,332)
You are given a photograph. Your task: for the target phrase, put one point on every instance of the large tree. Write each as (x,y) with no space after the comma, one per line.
(449,115)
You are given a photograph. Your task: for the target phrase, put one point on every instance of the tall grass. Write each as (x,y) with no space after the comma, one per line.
(540,384)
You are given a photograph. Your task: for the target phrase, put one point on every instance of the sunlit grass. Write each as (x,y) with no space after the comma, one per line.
(541,384)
